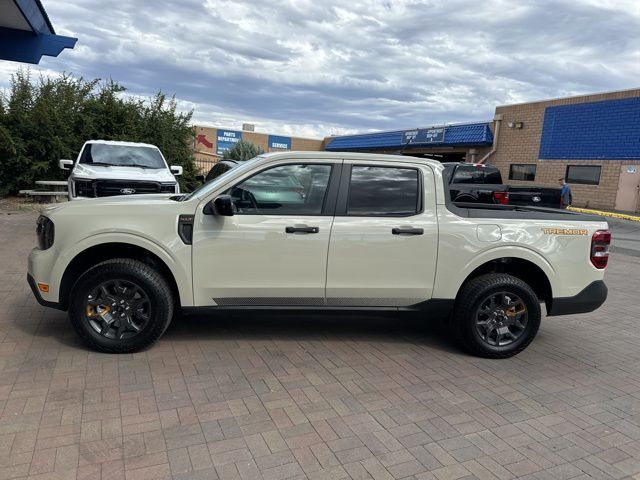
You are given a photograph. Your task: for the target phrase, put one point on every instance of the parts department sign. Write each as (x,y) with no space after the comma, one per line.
(277,142)
(423,135)
(226,140)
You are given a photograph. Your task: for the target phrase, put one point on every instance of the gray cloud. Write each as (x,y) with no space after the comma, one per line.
(313,68)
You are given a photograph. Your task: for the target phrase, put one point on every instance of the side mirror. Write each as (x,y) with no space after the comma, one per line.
(222,205)
(65,164)
(176,170)
(200,178)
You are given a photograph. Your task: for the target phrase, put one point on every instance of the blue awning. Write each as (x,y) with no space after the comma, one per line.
(461,135)
(26,33)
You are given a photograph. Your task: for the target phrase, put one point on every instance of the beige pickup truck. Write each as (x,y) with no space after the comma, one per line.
(317,231)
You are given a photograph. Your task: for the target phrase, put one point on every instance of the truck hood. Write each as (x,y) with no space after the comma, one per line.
(159,200)
(91,172)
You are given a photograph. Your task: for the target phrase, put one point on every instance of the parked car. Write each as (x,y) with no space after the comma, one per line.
(371,232)
(107,168)
(482,183)
(219,168)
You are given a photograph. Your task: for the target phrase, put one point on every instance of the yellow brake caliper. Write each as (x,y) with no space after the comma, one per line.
(98,311)
(515,310)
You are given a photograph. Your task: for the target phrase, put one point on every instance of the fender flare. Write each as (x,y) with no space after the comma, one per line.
(495,253)
(181,276)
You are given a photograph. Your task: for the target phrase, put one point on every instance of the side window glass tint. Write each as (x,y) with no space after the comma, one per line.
(383,191)
(283,190)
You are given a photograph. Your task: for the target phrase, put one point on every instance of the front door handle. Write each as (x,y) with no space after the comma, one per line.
(301,229)
(407,231)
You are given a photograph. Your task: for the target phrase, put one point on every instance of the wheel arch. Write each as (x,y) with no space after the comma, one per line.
(524,269)
(94,254)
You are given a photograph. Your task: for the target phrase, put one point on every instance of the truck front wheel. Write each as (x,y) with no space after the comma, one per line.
(120,306)
(496,315)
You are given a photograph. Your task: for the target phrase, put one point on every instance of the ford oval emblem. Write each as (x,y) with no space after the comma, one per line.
(536,199)
(127,191)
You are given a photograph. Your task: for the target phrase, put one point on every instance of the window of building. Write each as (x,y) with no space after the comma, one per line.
(383,191)
(522,171)
(283,190)
(584,174)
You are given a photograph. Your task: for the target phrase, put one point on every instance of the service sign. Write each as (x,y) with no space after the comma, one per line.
(424,135)
(277,142)
(226,140)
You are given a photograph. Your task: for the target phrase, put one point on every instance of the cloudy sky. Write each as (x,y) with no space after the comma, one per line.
(313,68)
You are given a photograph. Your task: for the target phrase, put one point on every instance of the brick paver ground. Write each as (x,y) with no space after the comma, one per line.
(331,397)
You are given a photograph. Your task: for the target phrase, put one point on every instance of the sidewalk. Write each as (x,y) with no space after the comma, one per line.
(608,213)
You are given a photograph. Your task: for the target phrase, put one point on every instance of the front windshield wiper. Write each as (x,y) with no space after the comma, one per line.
(101,164)
(140,166)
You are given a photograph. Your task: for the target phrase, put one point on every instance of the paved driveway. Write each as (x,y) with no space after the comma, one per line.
(315,396)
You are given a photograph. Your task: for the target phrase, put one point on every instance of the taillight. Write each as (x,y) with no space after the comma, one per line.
(600,242)
(501,198)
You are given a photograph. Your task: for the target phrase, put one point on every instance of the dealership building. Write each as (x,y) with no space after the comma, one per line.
(211,142)
(593,141)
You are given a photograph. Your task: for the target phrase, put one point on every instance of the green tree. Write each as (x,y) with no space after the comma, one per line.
(241,151)
(45,120)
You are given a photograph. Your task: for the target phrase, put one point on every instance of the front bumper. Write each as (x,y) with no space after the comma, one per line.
(36,293)
(588,300)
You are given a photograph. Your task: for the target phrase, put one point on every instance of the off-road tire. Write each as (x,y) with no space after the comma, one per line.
(469,301)
(148,279)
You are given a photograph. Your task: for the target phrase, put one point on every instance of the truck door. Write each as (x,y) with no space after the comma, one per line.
(384,239)
(273,250)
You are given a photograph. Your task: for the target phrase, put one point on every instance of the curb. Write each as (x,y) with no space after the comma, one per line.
(622,216)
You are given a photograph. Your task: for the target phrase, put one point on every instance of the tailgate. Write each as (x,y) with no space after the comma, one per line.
(534,195)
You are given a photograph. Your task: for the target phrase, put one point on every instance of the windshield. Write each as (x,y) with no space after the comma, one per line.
(477,174)
(212,184)
(121,156)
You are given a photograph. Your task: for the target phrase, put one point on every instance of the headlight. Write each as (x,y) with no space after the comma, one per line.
(168,188)
(45,232)
(83,188)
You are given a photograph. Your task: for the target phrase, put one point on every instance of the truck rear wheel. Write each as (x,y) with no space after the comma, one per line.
(120,306)
(496,315)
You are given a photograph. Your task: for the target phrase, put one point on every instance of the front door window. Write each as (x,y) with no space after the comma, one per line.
(284,190)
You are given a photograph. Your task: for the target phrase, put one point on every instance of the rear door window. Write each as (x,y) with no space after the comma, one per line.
(383,191)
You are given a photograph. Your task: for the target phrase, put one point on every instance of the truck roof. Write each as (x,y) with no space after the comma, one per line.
(373,157)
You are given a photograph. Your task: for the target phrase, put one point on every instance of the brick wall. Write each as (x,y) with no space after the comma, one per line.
(523,146)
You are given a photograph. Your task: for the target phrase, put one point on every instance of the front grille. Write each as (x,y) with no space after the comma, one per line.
(110,188)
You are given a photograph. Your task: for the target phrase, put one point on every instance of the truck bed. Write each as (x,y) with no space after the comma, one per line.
(478,210)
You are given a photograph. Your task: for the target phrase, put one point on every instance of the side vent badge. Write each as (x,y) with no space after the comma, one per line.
(185,228)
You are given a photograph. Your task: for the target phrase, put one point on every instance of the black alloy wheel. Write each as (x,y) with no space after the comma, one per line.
(501,318)
(121,306)
(496,315)
(118,309)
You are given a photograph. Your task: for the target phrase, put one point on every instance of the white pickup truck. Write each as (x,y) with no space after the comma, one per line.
(106,168)
(316,230)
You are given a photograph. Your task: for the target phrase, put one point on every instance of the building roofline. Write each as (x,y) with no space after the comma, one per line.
(609,92)
(46,16)
(398,130)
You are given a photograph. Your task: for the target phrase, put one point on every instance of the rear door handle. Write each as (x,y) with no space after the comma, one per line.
(301,229)
(407,231)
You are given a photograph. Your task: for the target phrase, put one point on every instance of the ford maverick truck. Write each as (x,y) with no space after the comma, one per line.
(317,231)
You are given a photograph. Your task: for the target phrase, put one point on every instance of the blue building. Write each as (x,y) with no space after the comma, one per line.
(591,141)
(26,33)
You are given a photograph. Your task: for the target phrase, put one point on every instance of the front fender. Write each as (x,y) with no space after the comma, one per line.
(178,260)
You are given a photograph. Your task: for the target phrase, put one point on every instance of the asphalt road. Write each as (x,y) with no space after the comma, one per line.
(626,237)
